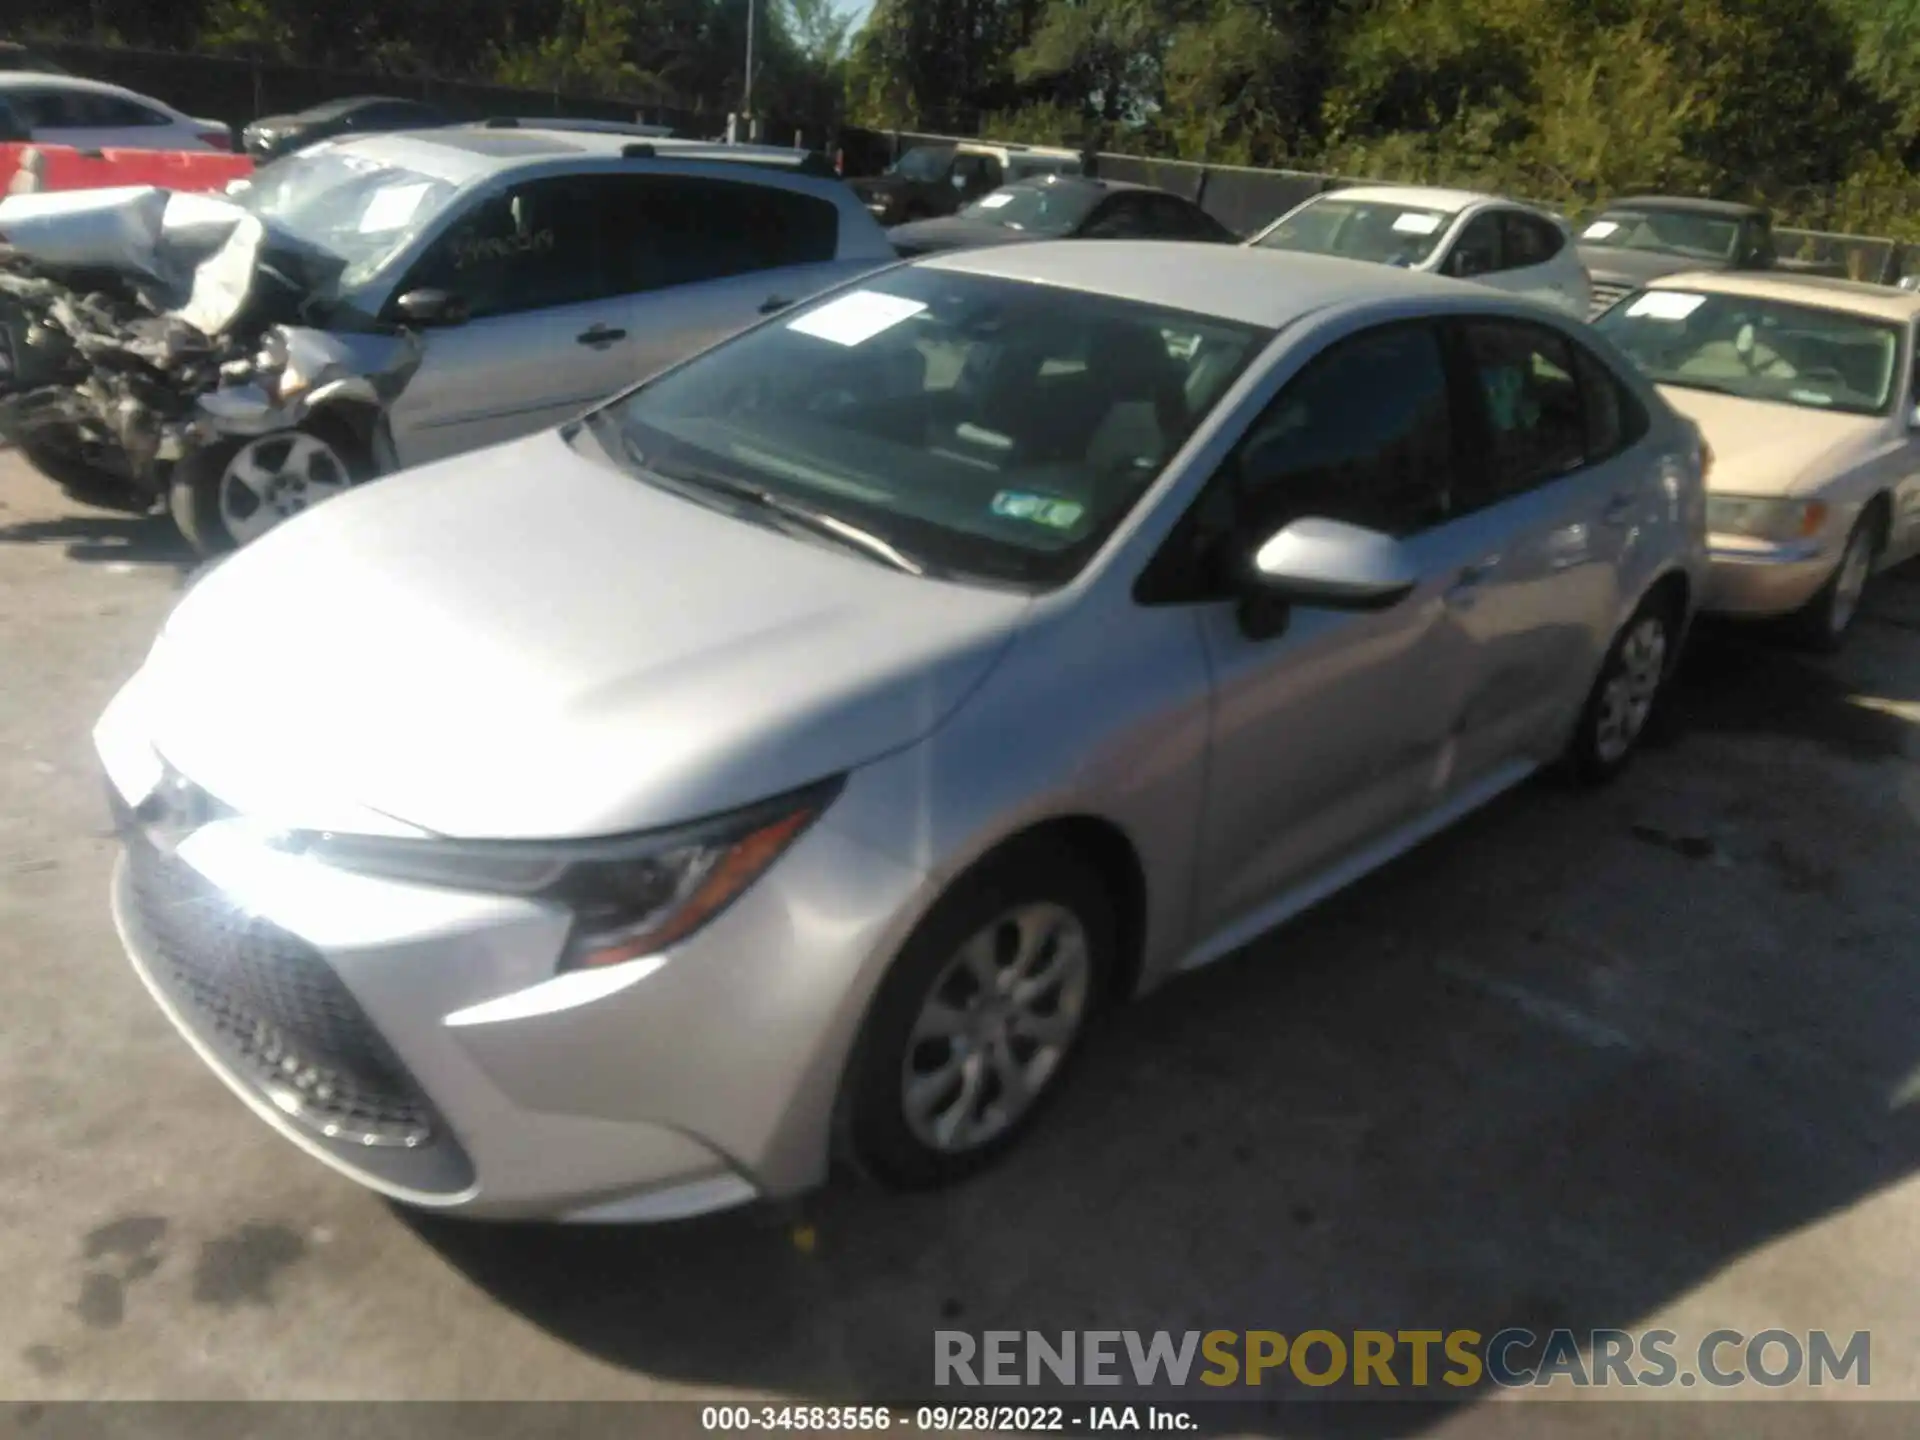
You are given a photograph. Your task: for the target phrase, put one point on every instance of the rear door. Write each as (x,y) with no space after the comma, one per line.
(548,336)
(697,259)
(1558,485)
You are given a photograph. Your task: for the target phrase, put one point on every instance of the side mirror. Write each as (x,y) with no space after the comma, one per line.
(1327,564)
(431,307)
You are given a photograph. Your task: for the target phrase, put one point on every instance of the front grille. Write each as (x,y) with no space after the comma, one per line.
(1605,293)
(272,1006)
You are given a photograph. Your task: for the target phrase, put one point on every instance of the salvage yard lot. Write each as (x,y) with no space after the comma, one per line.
(1647,1056)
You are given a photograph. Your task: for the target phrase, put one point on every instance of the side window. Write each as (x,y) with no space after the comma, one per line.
(1535,413)
(1172,219)
(532,248)
(110,110)
(663,230)
(1527,240)
(977,173)
(39,109)
(1614,417)
(1477,251)
(1364,434)
(1123,217)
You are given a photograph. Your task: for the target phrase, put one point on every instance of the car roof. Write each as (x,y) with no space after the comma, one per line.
(1426,197)
(327,109)
(37,79)
(461,154)
(1267,288)
(1856,297)
(1731,209)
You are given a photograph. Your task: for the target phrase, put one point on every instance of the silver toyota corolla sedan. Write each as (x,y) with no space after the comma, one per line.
(798,750)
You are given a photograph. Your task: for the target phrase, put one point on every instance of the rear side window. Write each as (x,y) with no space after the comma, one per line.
(1615,419)
(1532,407)
(1529,240)
(1364,434)
(663,230)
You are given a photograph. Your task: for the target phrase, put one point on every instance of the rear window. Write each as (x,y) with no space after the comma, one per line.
(991,428)
(1382,232)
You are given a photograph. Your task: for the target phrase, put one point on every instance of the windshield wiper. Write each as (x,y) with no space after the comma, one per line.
(819,522)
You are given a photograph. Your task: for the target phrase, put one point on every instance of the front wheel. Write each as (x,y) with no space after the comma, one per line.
(1826,620)
(974,1025)
(1624,697)
(231,493)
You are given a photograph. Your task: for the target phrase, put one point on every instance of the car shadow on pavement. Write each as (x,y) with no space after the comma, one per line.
(1538,1073)
(107,538)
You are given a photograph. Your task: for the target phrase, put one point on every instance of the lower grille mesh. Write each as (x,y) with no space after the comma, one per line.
(273,1006)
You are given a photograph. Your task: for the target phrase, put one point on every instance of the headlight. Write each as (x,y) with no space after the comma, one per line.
(630,896)
(1760,518)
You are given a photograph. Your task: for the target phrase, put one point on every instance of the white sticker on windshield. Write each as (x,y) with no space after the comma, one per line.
(1665,305)
(1600,230)
(1415,223)
(994,202)
(391,208)
(856,317)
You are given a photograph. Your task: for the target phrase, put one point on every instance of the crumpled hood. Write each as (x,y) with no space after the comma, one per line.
(1764,448)
(952,232)
(527,642)
(1612,265)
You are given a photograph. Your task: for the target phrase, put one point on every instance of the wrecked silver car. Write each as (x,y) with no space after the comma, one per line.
(366,304)
(154,354)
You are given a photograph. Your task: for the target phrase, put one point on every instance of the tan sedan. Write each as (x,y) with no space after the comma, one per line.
(1806,392)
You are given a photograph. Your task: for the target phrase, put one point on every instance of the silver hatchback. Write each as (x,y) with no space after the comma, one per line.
(801,748)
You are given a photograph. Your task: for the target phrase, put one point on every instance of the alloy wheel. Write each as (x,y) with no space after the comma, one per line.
(995,1026)
(1631,687)
(273,479)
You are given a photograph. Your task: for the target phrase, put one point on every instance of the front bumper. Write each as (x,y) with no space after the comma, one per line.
(1756,579)
(420,1041)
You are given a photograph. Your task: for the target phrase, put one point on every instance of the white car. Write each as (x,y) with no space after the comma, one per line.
(48,109)
(1485,238)
(1807,392)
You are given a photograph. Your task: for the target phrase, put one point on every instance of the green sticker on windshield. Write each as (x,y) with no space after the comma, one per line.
(1040,509)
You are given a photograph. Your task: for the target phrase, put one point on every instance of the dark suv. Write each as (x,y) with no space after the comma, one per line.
(933,180)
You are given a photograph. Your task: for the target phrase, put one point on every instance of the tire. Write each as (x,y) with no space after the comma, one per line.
(81,479)
(232,492)
(948,1015)
(1622,706)
(1823,624)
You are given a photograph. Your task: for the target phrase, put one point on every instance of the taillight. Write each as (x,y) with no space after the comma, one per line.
(221,139)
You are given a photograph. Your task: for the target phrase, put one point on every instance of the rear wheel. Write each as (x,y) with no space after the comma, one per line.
(1632,680)
(976,1022)
(230,494)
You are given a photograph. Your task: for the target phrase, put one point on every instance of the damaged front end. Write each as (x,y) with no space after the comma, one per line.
(139,325)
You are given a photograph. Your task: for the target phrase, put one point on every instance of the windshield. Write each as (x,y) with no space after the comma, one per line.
(1381,232)
(1666,232)
(1759,349)
(923,162)
(1036,209)
(351,209)
(987,428)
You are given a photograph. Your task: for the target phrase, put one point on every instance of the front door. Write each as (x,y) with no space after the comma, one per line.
(1329,735)
(547,337)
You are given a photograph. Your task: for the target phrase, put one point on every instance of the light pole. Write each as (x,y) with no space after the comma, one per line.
(746,100)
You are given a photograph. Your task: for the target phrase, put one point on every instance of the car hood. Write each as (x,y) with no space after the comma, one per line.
(1764,448)
(952,232)
(527,642)
(1611,265)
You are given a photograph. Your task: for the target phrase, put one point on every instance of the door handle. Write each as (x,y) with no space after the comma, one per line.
(599,336)
(774,304)
(1619,510)
(1472,577)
